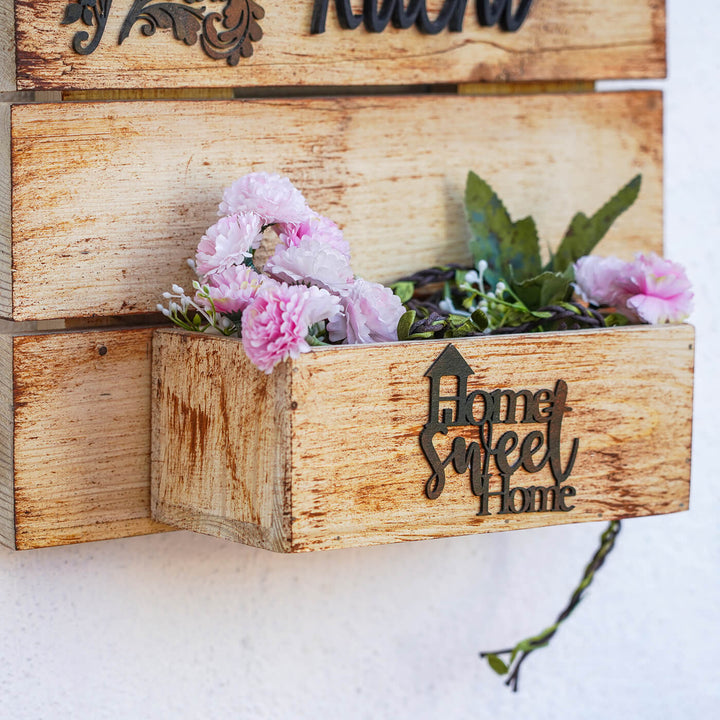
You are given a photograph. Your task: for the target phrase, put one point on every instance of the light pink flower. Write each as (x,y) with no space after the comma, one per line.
(597,279)
(233,289)
(319,228)
(371,314)
(311,261)
(276,324)
(657,290)
(228,242)
(273,197)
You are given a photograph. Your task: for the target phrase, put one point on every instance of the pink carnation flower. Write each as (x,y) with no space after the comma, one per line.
(311,261)
(657,290)
(228,242)
(371,314)
(319,228)
(233,289)
(273,197)
(276,324)
(597,279)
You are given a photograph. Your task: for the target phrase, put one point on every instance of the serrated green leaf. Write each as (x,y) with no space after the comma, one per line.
(545,289)
(421,336)
(405,324)
(404,290)
(585,233)
(496,239)
(497,664)
(523,252)
(489,222)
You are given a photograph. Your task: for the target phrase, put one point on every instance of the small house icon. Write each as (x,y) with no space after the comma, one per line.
(450,363)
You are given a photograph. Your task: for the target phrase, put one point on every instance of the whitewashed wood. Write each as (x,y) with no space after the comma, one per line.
(344,459)
(7,487)
(127,189)
(562,39)
(5,213)
(80,432)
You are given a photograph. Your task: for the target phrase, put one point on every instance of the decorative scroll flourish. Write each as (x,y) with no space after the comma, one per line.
(92,13)
(228,35)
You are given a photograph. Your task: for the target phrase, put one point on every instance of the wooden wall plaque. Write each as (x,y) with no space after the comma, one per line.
(325,452)
(109,199)
(560,39)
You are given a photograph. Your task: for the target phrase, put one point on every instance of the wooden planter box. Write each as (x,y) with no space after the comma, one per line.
(334,449)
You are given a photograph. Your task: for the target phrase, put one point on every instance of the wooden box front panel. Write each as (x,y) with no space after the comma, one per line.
(329,454)
(109,199)
(560,39)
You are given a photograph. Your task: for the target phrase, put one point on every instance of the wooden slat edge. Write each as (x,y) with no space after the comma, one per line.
(7,476)
(7,45)
(208,415)
(5,211)
(82,436)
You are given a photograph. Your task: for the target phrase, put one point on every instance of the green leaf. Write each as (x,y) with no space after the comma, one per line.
(405,324)
(545,289)
(585,233)
(497,664)
(480,320)
(523,252)
(489,222)
(496,239)
(616,320)
(404,290)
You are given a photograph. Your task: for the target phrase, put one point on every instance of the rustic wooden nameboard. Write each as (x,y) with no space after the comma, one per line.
(75,437)
(559,39)
(326,451)
(109,199)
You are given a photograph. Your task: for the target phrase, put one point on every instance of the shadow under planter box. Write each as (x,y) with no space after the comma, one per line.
(359,445)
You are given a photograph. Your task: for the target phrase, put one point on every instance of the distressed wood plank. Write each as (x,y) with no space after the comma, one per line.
(81,466)
(253,508)
(7,485)
(127,189)
(561,39)
(358,474)
(5,213)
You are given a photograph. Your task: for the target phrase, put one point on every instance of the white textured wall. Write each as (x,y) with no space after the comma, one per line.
(184,626)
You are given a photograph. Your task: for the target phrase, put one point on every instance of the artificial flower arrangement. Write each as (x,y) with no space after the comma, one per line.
(305,294)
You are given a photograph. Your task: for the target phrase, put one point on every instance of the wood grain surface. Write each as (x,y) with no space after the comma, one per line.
(356,472)
(76,451)
(561,39)
(232,416)
(109,199)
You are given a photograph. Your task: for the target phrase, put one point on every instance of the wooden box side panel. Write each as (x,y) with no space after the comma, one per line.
(220,452)
(390,171)
(7,480)
(561,39)
(7,46)
(359,474)
(82,437)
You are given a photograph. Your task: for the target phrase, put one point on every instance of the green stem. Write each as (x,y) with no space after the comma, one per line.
(526,647)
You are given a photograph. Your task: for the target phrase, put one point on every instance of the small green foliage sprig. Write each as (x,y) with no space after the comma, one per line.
(509,285)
